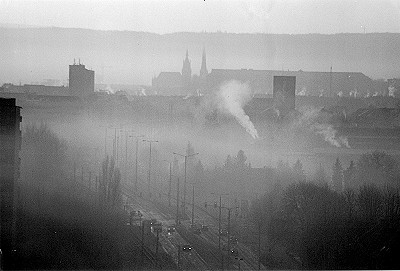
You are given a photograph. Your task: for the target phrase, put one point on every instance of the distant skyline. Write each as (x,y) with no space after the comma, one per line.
(234,16)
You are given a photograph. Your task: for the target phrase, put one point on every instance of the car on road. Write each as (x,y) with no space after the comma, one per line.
(233,240)
(223,233)
(204,227)
(234,252)
(170,230)
(196,231)
(187,248)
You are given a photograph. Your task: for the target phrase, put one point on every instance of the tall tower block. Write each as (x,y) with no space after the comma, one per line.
(81,80)
(284,94)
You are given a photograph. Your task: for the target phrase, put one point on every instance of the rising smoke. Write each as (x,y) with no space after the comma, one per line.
(309,120)
(233,95)
(329,134)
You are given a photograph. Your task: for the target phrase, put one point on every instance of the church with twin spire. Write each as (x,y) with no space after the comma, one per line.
(182,83)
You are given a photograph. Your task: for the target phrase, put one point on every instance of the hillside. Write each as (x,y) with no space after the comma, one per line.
(34,54)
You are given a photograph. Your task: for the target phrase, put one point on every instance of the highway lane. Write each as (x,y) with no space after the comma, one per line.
(250,260)
(171,243)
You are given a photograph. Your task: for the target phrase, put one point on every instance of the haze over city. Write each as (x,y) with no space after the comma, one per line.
(199,135)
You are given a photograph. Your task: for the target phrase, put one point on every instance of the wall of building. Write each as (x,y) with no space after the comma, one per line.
(81,80)
(10,145)
(308,83)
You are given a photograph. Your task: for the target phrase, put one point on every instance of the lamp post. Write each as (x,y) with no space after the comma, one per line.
(219,217)
(148,183)
(239,259)
(136,164)
(169,182)
(184,184)
(177,203)
(193,207)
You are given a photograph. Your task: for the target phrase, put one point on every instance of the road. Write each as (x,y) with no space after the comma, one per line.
(204,242)
(170,243)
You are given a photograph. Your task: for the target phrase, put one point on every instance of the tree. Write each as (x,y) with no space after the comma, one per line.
(298,171)
(110,183)
(43,160)
(240,160)
(228,164)
(320,176)
(337,176)
(377,168)
(349,175)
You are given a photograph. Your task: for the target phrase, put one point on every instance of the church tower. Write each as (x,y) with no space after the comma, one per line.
(186,72)
(203,70)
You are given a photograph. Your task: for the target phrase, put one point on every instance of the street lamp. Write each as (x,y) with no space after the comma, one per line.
(184,184)
(148,183)
(136,167)
(239,259)
(219,217)
(170,181)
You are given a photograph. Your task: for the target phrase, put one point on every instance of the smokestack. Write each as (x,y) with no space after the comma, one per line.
(284,88)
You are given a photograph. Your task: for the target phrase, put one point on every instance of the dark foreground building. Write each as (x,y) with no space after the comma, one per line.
(10,145)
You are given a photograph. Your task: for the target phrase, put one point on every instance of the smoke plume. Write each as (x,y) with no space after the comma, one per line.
(233,95)
(309,119)
(329,134)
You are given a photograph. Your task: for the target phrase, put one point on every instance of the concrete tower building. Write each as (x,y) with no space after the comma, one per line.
(10,146)
(81,80)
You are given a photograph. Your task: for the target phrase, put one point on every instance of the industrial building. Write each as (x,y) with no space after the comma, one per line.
(327,84)
(10,146)
(284,95)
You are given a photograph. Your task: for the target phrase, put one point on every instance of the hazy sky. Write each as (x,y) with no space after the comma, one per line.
(166,16)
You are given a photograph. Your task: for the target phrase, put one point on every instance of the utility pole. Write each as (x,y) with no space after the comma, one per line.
(177,203)
(90,180)
(126,154)
(148,183)
(193,207)
(169,184)
(142,241)
(219,217)
(136,167)
(229,241)
(330,82)
(184,184)
(219,222)
(105,143)
(75,171)
(179,256)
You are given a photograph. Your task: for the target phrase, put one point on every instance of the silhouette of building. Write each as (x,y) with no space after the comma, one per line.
(284,94)
(10,145)
(168,83)
(81,80)
(175,83)
(186,73)
(327,84)
(202,84)
(41,90)
(203,70)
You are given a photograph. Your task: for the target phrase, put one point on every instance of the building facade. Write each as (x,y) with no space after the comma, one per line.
(10,146)
(81,80)
(327,84)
